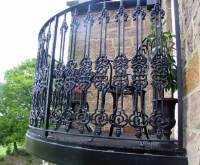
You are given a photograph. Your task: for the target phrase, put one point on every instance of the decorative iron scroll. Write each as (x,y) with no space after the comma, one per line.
(59,93)
(64,77)
(68,115)
(40,85)
(100,118)
(84,81)
(158,118)
(138,119)
(120,80)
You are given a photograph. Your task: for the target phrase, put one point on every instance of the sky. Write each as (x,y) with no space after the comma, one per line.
(20,23)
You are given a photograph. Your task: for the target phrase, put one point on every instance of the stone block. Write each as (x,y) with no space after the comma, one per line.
(191,76)
(195,111)
(192,148)
(128,107)
(127,42)
(190,42)
(196,20)
(187,14)
(129,128)
(185,112)
(95,34)
(112,33)
(183,53)
(130,32)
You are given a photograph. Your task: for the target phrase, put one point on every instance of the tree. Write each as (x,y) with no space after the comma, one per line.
(15,103)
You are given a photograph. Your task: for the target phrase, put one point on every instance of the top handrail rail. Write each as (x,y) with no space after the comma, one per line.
(134,3)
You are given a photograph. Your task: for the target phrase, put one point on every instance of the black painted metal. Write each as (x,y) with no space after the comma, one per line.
(61,152)
(138,119)
(119,118)
(179,74)
(50,79)
(99,119)
(53,95)
(158,118)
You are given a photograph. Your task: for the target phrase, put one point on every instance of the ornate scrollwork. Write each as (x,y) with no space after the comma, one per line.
(85,77)
(75,22)
(119,120)
(139,80)
(159,118)
(64,26)
(159,76)
(137,11)
(40,86)
(155,10)
(139,77)
(120,80)
(100,82)
(88,18)
(82,116)
(121,12)
(159,81)
(58,94)
(99,118)
(101,67)
(69,84)
(104,14)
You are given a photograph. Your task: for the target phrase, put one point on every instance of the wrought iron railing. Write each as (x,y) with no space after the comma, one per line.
(53,98)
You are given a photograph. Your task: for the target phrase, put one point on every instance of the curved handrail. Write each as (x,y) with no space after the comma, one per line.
(80,5)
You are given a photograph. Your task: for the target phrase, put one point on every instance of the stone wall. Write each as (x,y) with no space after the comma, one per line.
(190,44)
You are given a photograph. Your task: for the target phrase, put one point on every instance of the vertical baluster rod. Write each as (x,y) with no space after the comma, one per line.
(65,30)
(179,75)
(50,79)
(72,34)
(76,27)
(104,6)
(90,26)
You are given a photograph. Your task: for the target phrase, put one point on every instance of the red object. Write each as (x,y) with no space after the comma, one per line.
(77,89)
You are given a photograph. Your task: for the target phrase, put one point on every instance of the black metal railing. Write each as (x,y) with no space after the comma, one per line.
(55,82)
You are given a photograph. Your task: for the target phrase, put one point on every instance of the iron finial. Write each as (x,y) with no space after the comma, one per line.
(89,8)
(75,12)
(121,2)
(104,4)
(138,2)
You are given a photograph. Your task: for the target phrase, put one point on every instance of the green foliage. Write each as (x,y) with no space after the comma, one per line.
(9,150)
(168,47)
(15,102)
(2,158)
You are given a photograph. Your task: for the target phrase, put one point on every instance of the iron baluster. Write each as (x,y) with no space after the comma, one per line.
(63,31)
(43,76)
(39,89)
(58,72)
(138,119)
(69,84)
(100,118)
(158,118)
(179,76)
(35,110)
(84,80)
(120,80)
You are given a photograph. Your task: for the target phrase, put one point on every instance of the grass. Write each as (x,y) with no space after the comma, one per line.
(2,154)
(3,150)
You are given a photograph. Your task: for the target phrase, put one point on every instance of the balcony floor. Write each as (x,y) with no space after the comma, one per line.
(69,149)
(111,144)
